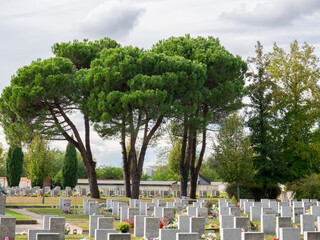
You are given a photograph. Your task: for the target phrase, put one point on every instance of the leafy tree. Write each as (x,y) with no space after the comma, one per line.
(268,160)
(164,173)
(212,100)
(39,159)
(233,153)
(108,172)
(43,95)
(296,101)
(57,179)
(208,170)
(70,167)
(14,166)
(3,157)
(81,168)
(132,92)
(58,160)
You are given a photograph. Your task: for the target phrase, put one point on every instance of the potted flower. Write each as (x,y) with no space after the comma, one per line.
(124,227)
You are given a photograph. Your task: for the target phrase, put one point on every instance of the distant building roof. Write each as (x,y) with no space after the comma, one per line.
(121,182)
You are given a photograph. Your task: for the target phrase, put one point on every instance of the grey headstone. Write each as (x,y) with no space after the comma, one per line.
(46,221)
(197,224)
(48,236)
(184,223)
(311,235)
(57,225)
(252,236)
(166,234)
(230,233)
(297,211)
(119,236)
(105,223)
(255,213)
(285,211)
(268,224)
(306,223)
(151,227)
(93,208)
(139,225)
(289,234)
(7,227)
(3,204)
(93,224)
(32,233)
(100,234)
(187,236)
(282,222)
(226,221)
(241,222)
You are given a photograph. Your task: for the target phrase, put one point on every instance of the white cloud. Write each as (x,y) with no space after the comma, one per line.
(113,19)
(273,13)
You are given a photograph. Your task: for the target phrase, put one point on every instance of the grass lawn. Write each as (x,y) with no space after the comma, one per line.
(60,213)
(54,201)
(18,216)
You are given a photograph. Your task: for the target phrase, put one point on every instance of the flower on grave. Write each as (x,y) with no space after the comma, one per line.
(67,230)
(203,236)
(6,238)
(243,230)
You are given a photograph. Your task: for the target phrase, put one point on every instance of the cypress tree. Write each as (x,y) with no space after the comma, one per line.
(14,166)
(70,167)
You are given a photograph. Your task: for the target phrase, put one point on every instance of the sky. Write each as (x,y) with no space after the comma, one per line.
(29,28)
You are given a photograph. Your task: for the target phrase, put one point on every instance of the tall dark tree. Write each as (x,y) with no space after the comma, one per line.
(70,167)
(14,166)
(262,122)
(220,93)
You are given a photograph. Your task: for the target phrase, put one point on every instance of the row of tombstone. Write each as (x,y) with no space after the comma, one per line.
(232,224)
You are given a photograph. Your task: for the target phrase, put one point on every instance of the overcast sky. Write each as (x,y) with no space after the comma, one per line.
(29,28)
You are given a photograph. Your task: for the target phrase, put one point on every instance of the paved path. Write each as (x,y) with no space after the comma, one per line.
(20,228)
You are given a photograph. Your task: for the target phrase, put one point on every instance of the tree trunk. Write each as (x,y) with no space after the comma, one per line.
(238,192)
(194,171)
(85,150)
(43,191)
(137,164)
(126,163)
(183,164)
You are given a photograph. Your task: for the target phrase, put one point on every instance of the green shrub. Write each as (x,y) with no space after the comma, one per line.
(244,191)
(273,191)
(123,227)
(306,188)
(254,191)
(209,205)
(233,199)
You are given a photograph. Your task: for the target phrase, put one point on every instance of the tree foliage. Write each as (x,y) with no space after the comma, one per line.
(218,93)
(233,152)
(268,160)
(3,157)
(14,166)
(296,99)
(39,161)
(108,172)
(132,92)
(70,167)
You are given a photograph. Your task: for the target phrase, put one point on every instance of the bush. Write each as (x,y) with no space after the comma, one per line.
(254,191)
(123,227)
(244,191)
(209,206)
(306,188)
